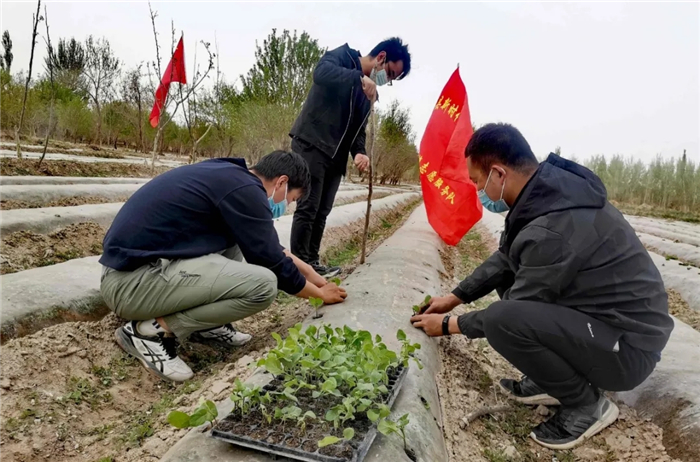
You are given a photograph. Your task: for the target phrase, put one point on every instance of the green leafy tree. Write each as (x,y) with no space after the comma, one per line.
(67,60)
(283,70)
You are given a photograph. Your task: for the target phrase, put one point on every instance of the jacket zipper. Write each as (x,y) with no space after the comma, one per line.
(349,118)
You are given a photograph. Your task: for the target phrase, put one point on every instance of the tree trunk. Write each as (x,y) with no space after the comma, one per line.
(29,78)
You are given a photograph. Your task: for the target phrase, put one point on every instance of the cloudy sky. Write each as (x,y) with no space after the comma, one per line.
(595,78)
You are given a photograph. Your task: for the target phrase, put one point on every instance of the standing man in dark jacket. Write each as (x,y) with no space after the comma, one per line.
(173,257)
(331,125)
(582,307)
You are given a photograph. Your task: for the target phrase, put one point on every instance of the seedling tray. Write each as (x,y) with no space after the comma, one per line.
(295,446)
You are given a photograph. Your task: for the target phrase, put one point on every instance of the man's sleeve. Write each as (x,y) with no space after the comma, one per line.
(490,275)
(329,72)
(547,265)
(358,146)
(249,220)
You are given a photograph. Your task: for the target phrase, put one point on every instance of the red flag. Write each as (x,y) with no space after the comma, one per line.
(175,72)
(450,197)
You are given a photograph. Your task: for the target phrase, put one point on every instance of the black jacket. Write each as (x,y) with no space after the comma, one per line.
(335,113)
(196,210)
(565,244)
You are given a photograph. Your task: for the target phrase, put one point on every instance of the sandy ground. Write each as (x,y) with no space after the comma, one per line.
(17,167)
(70,394)
(62,202)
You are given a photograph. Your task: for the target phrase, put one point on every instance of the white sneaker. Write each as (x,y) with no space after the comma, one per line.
(226,334)
(157,354)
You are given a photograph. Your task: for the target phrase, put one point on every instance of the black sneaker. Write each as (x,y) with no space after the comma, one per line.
(325,271)
(571,426)
(527,392)
(157,354)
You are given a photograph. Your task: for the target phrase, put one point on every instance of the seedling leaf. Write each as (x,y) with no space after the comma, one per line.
(327,441)
(336,281)
(400,335)
(348,434)
(179,419)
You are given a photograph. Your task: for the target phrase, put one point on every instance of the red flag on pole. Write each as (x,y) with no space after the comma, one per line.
(175,72)
(450,197)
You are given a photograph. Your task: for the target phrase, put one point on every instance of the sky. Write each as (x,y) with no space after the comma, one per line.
(592,78)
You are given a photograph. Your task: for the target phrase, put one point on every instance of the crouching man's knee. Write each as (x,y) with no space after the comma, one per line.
(263,290)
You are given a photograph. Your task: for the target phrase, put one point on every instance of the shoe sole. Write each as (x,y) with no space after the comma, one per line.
(608,419)
(535,400)
(124,342)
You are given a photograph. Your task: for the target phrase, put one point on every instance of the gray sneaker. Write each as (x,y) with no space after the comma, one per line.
(527,392)
(325,271)
(571,426)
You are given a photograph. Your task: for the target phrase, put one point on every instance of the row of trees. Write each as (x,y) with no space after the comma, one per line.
(666,183)
(97,99)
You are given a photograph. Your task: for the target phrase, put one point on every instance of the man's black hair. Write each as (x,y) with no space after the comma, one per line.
(279,163)
(395,51)
(503,143)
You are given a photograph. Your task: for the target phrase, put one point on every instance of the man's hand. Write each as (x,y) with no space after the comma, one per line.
(440,305)
(432,324)
(370,88)
(361,162)
(331,293)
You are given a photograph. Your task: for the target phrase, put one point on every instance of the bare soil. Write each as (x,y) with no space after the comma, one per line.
(468,382)
(680,309)
(63,202)
(21,167)
(70,394)
(24,250)
(657,212)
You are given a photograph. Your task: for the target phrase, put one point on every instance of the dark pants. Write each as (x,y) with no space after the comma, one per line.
(566,352)
(310,215)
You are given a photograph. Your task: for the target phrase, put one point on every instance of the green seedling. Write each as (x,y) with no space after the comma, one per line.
(336,281)
(316,303)
(418,308)
(408,349)
(387,427)
(206,412)
(301,421)
(348,434)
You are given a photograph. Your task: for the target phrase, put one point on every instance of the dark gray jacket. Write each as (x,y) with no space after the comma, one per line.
(335,113)
(565,244)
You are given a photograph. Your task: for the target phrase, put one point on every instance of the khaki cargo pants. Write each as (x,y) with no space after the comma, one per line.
(191,294)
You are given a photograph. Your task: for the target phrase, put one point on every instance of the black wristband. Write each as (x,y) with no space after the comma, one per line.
(446,325)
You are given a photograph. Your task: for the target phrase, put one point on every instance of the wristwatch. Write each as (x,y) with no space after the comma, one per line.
(446,325)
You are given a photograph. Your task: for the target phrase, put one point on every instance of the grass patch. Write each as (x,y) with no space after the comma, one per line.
(495,456)
(347,252)
(80,390)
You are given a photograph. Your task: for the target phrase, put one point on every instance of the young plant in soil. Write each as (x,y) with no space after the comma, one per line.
(316,303)
(330,385)
(206,412)
(387,427)
(418,308)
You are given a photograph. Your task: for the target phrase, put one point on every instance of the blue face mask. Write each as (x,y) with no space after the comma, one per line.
(279,208)
(379,77)
(498,206)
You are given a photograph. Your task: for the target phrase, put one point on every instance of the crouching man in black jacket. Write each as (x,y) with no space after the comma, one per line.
(583,307)
(173,257)
(331,125)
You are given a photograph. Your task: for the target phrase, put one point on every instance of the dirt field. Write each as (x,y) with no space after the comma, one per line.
(18,167)
(70,394)
(25,250)
(63,202)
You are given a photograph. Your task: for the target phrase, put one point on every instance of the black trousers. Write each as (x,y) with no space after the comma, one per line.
(310,215)
(566,352)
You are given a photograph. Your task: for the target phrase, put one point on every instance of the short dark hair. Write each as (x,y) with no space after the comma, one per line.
(279,163)
(395,51)
(500,142)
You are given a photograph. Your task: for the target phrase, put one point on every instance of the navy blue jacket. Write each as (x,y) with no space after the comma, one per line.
(196,210)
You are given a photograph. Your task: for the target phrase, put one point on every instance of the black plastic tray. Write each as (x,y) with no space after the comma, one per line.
(358,454)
